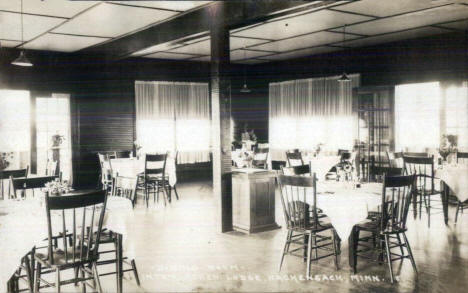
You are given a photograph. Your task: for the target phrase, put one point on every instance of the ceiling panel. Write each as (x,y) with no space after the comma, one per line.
(10,25)
(411,20)
(311,40)
(49,7)
(8,43)
(461,25)
(236,42)
(301,53)
(247,54)
(109,20)
(171,5)
(62,43)
(386,8)
(168,55)
(392,37)
(160,47)
(200,48)
(315,21)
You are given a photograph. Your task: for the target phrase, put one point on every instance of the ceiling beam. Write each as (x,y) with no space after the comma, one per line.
(238,14)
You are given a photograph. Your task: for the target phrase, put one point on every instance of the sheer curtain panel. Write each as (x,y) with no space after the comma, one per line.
(308,112)
(173,116)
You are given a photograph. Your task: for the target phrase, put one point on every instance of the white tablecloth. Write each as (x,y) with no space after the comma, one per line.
(346,206)
(131,167)
(322,164)
(456,177)
(23,225)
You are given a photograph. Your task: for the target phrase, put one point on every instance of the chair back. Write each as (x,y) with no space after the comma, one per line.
(462,158)
(423,168)
(155,164)
(51,168)
(122,154)
(29,183)
(260,158)
(396,198)
(7,174)
(294,158)
(300,170)
(125,187)
(295,190)
(106,167)
(277,165)
(80,214)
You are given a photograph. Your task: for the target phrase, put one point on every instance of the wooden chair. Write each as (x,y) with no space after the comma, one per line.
(123,187)
(122,154)
(32,183)
(7,174)
(462,158)
(390,226)
(106,171)
(154,178)
(423,168)
(303,222)
(81,214)
(260,158)
(294,158)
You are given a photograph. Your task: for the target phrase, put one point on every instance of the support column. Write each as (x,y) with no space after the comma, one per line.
(221,118)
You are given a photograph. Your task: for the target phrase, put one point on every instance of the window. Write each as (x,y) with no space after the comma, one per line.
(53,118)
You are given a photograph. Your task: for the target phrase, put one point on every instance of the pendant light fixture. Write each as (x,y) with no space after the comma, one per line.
(22,60)
(244,88)
(344,77)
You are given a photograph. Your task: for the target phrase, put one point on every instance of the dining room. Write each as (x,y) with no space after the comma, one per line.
(236,146)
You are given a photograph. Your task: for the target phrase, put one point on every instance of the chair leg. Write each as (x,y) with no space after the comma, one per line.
(410,253)
(335,249)
(309,252)
(57,280)
(37,281)
(456,213)
(428,207)
(83,283)
(135,272)
(389,256)
(400,245)
(355,248)
(175,191)
(285,249)
(315,247)
(96,278)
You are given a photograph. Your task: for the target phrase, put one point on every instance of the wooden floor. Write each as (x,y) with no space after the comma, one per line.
(180,250)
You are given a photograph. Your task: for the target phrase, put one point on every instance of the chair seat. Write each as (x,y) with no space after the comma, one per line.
(322,226)
(371,226)
(60,257)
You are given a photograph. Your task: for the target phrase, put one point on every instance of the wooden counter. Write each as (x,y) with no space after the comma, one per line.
(253,200)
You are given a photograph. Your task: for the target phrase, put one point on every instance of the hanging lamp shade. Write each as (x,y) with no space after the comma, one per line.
(344,78)
(22,60)
(245,89)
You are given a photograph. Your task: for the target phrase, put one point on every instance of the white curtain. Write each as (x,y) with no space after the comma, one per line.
(308,112)
(15,127)
(456,114)
(174,116)
(417,116)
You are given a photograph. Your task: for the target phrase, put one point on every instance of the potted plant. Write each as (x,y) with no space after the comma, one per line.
(448,145)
